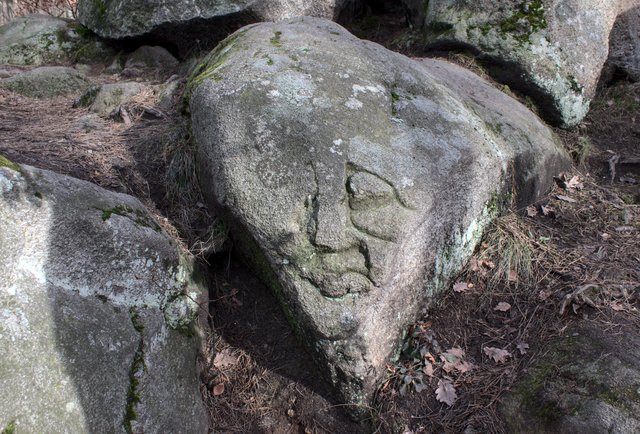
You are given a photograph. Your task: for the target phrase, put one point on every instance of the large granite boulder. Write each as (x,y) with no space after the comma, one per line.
(552,50)
(587,381)
(195,24)
(46,82)
(356,180)
(97,311)
(624,46)
(46,40)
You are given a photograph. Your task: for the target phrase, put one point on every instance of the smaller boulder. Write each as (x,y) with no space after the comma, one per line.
(108,98)
(44,40)
(46,82)
(156,61)
(624,47)
(587,381)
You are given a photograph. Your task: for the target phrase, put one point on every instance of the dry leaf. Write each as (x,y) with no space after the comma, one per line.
(291,412)
(446,392)
(453,360)
(575,183)
(460,286)
(218,389)
(464,366)
(455,352)
(566,198)
(428,369)
(497,354)
(522,347)
(512,276)
(543,295)
(502,306)
(625,229)
(224,358)
(605,236)
(548,211)
(532,211)
(474,264)
(617,306)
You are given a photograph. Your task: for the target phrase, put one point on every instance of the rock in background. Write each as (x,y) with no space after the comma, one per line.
(193,25)
(587,381)
(624,46)
(97,312)
(46,82)
(551,50)
(356,180)
(45,40)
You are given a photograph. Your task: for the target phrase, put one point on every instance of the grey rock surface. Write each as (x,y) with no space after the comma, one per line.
(356,180)
(624,45)
(551,50)
(106,98)
(196,24)
(46,40)
(46,82)
(96,312)
(587,381)
(147,60)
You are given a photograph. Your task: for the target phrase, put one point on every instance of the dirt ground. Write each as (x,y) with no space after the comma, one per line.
(573,257)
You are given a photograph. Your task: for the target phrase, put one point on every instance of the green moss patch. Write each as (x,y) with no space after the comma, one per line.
(10,429)
(275,41)
(138,216)
(5,162)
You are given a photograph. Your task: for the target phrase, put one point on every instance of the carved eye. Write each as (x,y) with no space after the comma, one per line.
(368,191)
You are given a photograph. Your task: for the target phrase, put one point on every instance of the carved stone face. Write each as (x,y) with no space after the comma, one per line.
(357,173)
(351,234)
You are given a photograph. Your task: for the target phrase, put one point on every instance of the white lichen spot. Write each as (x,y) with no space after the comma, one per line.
(321,102)
(274,94)
(353,104)
(70,407)
(406,182)
(342,75)
(14,322)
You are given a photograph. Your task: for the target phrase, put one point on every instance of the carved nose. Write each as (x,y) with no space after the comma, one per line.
(331,226)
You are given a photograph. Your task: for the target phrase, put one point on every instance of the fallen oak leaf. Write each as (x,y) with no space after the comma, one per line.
(522,347)
(548,211)
(428,369)
(575,183)
(464,366)
(446,392)
(532,211)
(462,286)
(224,358)
(497,354)
(502,307)
(218,389)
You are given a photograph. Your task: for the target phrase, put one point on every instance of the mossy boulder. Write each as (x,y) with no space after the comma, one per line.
(97,312)
(587,381)
(552,50)
(46,82)
(106,98)
(45,40)
(356,180)
(194,25)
